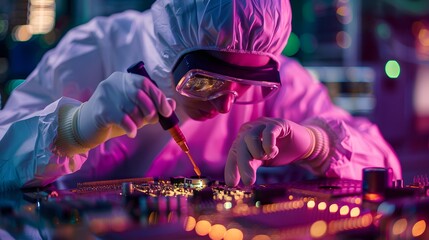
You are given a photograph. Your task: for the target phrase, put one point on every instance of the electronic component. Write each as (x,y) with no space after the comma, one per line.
(202,208)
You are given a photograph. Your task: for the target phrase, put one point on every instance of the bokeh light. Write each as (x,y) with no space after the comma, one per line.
(308,12)
(217,232)
(311,204)
(233,234)
(41,16)
(355,212)
(392,69)
(321,206)
(344,210)
(344,14)
(399,226)
(4,23)
(419,228)
(423,37)
(261,237)
(190,223)
(343,39)
(383,30)
(203,227)
(318,229)
(292,46)
(227,205)
(333,208)
(21,33)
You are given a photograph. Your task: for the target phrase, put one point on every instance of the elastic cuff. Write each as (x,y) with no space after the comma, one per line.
(313,145)
(318,156)
(75,132)
(66,143)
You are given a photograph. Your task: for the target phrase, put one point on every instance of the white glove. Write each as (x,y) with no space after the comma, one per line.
(121,104)
(266,141)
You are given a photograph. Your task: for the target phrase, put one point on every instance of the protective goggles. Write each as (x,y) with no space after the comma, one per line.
(201,76)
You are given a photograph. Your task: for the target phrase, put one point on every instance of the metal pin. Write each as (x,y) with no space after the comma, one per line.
(196,169)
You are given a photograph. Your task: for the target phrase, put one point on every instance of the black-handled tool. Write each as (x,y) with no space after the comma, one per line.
(168,123)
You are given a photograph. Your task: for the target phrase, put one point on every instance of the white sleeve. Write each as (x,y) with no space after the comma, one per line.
(26,152)
(67,74)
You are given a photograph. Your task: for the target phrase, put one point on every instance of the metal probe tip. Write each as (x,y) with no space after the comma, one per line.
(178,136)
(196,169)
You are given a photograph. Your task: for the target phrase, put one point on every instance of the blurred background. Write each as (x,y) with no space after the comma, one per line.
(372,55)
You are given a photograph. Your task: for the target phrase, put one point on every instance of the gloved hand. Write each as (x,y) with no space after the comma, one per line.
(121,104)
(266,141)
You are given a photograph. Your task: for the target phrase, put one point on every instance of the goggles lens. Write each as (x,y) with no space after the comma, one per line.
(200,85)
(205,86)
(201,76)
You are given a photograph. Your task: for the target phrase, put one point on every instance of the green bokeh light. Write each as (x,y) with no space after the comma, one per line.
(308,12)
(3,26)
(392,69)
(12,84)
(292,46)
(383,30)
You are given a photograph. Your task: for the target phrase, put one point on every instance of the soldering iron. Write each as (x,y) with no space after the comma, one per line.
(168,123)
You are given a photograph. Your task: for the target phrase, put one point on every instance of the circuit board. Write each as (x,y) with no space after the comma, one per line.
(201,208)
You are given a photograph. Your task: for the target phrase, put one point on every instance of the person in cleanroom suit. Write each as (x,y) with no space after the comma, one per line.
(79,116)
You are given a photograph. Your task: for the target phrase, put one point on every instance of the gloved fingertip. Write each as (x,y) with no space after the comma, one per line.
(274,152)
(248,180)
(172,103)
(129,126)
(168,107)
(231,181)
(132,134)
